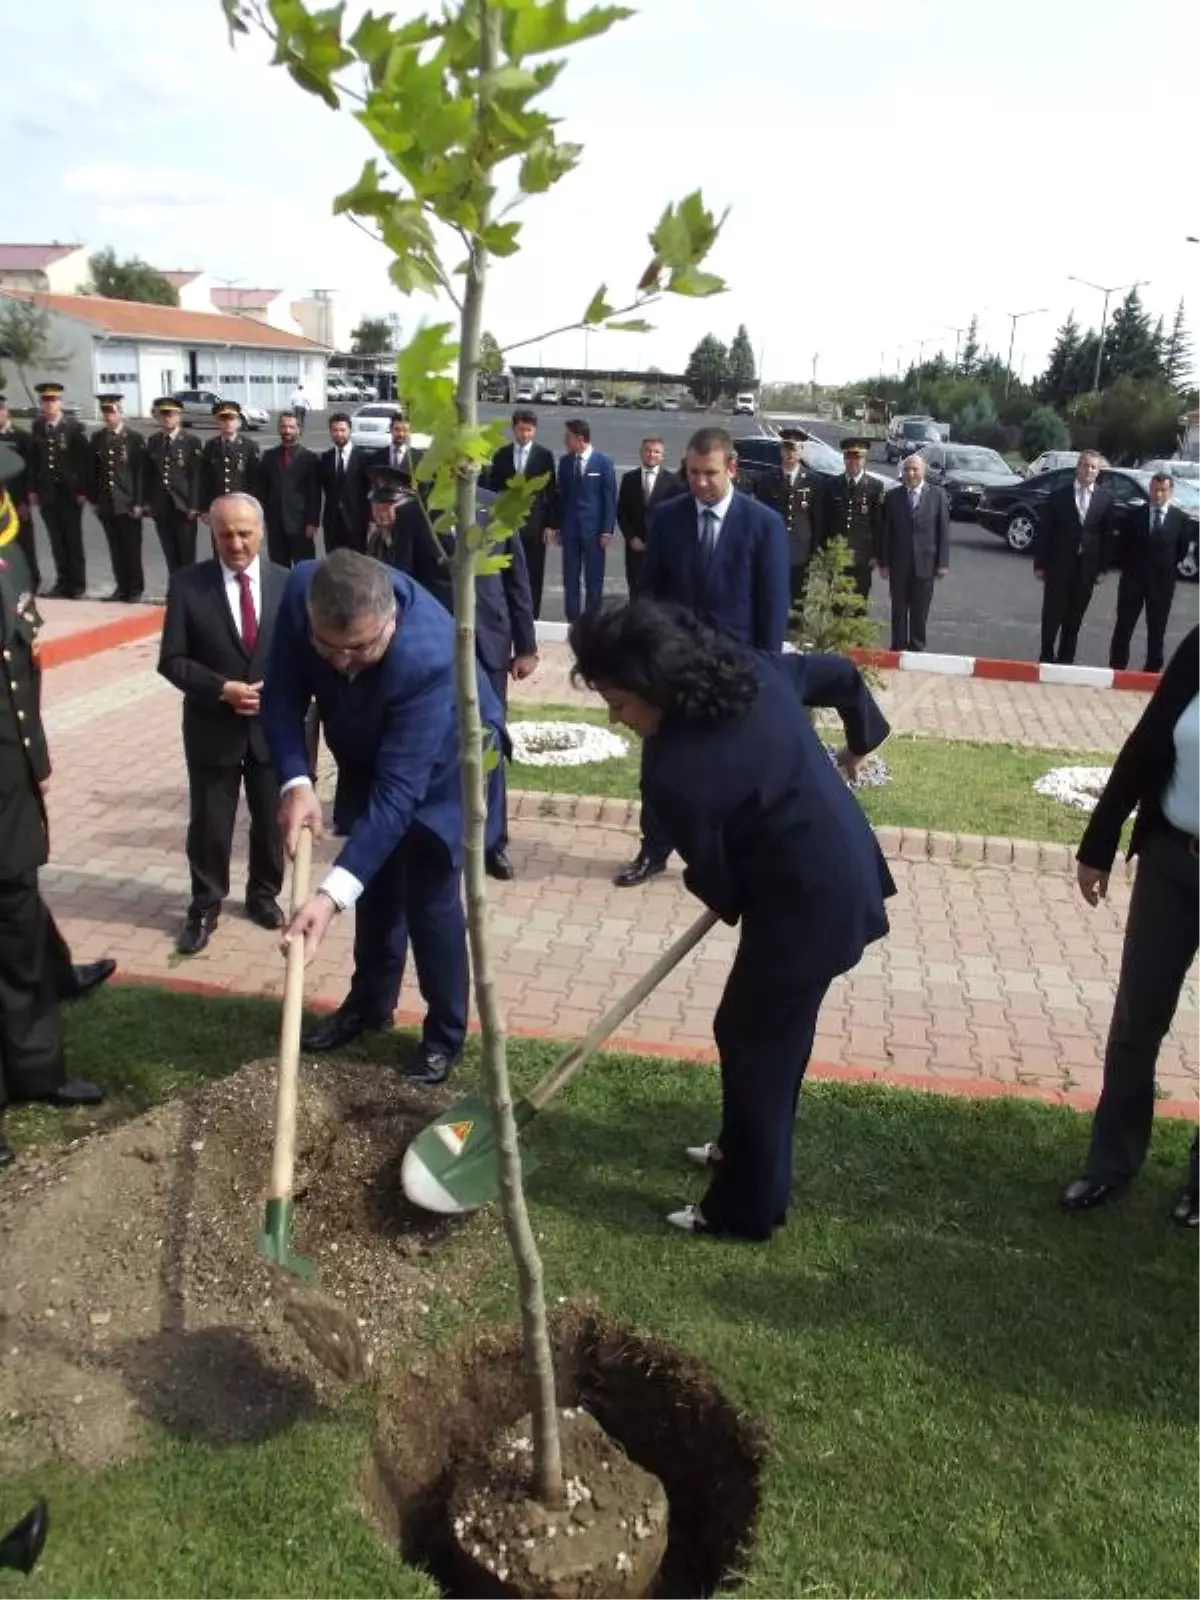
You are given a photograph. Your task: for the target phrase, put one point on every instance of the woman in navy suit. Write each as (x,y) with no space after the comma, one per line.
(772,839)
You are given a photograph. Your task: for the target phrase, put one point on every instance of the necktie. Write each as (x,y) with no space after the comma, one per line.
(579,466)
(708,537)
(341,471)
(397,457)
(914,499)
(647,484)
(249,620)
(1156,522)
(520,461)
(287,458)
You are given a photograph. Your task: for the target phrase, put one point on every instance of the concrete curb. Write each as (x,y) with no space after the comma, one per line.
(963,666)
(960,1087)
(904,844)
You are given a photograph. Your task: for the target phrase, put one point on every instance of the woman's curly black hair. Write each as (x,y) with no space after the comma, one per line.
(667,657)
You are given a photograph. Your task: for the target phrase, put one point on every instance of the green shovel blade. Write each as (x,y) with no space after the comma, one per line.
(275,1241)
(453,1165)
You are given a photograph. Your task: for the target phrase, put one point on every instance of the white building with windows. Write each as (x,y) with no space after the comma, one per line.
(143,351)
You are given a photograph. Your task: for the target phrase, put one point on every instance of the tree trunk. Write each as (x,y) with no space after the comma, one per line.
(548,1478)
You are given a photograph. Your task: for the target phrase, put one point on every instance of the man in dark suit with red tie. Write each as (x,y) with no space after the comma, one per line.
(1152,543)
(525,458)
(641,493)
(1071,552)
(290,491)
(215,643)
(914,552)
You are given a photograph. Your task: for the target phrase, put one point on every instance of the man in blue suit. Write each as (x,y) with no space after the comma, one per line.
(725,556)
(376,653)
(587,512)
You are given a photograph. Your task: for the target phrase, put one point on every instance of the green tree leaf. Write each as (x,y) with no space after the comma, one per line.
(598,308)
(533,29)
(634,325)
(692,282)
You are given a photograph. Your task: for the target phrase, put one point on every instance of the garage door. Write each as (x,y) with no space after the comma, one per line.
(116,372)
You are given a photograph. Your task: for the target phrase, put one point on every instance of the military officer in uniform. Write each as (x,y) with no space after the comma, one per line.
(116,472)
(36,973)
(789,489)
(171,485)
(20,441)
(850,507)
(229,462)
(58,472)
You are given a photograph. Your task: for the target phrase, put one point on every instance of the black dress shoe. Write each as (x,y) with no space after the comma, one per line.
(1085,1194)
(133,599)
(430,1067)
(90,976)
(340,1028)
(57,591)
(194,935)
(21,1546)
(639,870)
(75,1092)
(7,1154)
(499,866)
(114,598)
(266,914)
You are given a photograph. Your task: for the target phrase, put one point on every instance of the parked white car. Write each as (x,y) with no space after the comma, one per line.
(745,405)
(1175,469)
(370,427)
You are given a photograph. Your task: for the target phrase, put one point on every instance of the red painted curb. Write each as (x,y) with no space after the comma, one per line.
(959,1088)
(1146,682)
(91,641)
(888,660)
(1007,671)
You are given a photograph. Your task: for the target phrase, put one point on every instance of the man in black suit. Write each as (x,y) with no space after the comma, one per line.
(215,642)
(57,482)
(171,485)
(291,496)
(915,550)
(1152,542)
(18,489)
(790,489)
(116,469)
(1071,551)
(640,494)
(36,974)
(400,453)
(524,457)
(850,507)
(229,461)
(343,489)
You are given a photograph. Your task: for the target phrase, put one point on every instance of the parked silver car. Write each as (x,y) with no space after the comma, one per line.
(200,403)
(370,426)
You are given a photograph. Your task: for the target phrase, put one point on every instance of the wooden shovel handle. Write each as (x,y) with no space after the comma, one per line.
(578,1056)
(284,1157)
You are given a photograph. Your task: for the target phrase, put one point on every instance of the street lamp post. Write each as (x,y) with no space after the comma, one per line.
(1116,288)
(1014,317)
(958,333)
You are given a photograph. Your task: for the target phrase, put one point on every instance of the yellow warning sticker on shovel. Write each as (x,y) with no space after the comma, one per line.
(454,1135)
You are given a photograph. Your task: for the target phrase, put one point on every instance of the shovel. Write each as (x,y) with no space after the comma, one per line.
(453,1165)
(328,1329)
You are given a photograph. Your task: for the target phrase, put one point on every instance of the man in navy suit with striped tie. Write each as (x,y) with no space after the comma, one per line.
(723,555)
(587,512)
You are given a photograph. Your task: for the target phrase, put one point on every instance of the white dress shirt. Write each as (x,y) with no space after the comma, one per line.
(1181,797)
(719,511)
(1083,499)
(649,479)
(233,592)
(520,457)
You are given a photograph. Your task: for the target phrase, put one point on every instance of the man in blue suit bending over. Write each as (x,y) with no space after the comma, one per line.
(376,652)
(725,557)
(587,504)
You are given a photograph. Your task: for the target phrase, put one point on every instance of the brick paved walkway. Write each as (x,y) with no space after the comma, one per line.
(995,975)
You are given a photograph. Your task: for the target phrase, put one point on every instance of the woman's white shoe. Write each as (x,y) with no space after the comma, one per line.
(704,1155)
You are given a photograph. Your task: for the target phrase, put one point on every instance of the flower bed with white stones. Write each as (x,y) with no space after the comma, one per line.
(564,744)
(1079,787)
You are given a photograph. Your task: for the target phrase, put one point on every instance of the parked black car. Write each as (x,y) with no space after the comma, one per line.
(758,454)
(1012,511)
(964,471)
(910,437)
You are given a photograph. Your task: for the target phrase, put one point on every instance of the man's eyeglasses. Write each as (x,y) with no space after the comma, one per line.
(351,652)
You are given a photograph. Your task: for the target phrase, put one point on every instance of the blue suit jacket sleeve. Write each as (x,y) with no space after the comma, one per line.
(608,495)
(519,598)
(771,579)
(410,744)
(697,832)
(286,692)
(834,681)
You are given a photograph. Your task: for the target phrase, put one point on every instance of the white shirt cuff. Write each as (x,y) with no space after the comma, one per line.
(294,783)
(342,887)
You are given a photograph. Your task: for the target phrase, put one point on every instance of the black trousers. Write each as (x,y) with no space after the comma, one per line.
(535,559)
(635,560)
(35,972)
(764,1028)
(27,540)
(286,549)
(797,584)
(861,573)
(1160,945)
(497,783)
(1151,588)
(1065,599)
(64,524)
(911,600)
(340,536)
(416,893)
(124,535)
(177,535)
(655,846)
(214,800)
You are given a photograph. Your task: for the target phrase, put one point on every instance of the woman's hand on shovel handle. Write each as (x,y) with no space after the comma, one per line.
(309,925)
(299,808)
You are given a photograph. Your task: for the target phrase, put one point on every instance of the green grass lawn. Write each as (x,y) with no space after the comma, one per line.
(965,1391)
(948,785)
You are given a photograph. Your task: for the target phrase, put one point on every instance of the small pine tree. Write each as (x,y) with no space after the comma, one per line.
(833,616)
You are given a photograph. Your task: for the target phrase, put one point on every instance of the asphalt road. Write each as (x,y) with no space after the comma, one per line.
(988,605)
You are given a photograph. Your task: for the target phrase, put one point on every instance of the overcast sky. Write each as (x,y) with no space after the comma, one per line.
(892,167)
